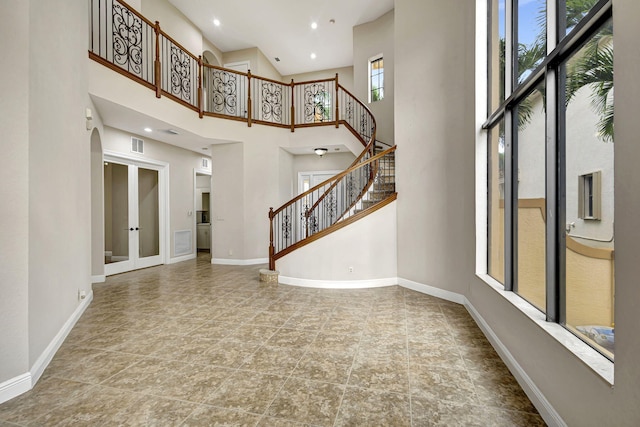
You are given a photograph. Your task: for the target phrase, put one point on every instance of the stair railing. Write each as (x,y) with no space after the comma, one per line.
(341,201)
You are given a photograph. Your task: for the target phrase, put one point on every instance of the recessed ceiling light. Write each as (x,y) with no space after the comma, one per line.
(314,25)
(216,22)
(205,148)
(148,129)
(313,56)
(332,21)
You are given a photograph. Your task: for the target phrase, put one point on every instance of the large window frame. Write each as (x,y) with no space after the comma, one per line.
(561,44)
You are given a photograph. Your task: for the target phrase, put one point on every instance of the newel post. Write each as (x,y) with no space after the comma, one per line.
(249,107)
(293,109)
(200,98)
(337,109)
(156,63)
(272,262)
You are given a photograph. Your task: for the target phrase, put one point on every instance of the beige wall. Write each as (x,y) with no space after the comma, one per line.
(59,232)
(14,191)
(434,132)
(372,39)
(345,77)
(174,23)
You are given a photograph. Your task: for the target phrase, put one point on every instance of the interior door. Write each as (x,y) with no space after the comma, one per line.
(132,217)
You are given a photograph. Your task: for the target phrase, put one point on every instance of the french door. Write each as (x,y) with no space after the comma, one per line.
(133,216)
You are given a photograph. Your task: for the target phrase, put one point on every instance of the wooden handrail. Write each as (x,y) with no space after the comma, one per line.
(172,40)
(135,12)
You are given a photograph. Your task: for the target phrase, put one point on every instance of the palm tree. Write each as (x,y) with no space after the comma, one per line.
(591,67)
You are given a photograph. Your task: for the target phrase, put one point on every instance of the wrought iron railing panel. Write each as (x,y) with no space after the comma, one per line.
(356,115)
(270,101)
(122,37)
(315,102)
(225,92)
(179,71)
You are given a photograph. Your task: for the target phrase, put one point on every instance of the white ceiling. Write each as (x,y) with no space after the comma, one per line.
(282,28)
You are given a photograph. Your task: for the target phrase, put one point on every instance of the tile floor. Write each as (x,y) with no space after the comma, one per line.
(193,344)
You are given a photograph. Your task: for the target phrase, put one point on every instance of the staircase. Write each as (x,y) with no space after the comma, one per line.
(123,40)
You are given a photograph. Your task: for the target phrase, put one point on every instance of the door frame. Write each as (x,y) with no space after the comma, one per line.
(196,172)
(163,198)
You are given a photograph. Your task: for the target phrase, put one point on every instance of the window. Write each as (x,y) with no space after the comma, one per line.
(550,98)
(589,196)
(376,79)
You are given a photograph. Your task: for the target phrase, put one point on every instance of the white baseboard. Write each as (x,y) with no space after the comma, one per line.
(98,279)
(45,358)
(544,407)
(431,290)
(338,284)
(182,258)
(15,387)
(226,261)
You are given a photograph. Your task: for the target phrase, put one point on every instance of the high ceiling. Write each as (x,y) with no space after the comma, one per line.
(282,28)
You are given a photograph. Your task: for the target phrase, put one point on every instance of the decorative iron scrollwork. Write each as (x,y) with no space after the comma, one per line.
(272,102)
(350,188)
(331,205)
(309,222)
(224,92)
(180,73)
(286,227)
(127,39)
(316,103)
(364,124)
(349,110)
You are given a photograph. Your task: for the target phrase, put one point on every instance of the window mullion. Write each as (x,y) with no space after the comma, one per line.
(510,200)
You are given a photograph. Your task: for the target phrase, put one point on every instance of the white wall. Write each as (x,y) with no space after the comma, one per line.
(368,246)
(370,39)
(14,191)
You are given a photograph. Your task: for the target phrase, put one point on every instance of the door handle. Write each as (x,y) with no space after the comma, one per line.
(131,229)
(137,229)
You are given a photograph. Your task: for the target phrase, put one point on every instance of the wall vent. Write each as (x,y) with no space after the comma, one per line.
(205,163)
(182,242)
(137,145)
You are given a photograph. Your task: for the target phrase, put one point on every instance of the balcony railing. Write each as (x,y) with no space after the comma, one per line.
(125,41)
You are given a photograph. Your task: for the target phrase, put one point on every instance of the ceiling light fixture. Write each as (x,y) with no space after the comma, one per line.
(314,25)
(148,129)
(320,151)
(216,22)
(313,56)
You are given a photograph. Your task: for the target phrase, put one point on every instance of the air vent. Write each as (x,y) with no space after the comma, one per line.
(137,145)
(205,163)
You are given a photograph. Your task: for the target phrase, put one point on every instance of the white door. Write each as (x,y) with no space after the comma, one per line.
(133,215)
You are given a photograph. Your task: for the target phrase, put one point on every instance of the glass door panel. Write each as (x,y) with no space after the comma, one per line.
(116,213)
(148,213)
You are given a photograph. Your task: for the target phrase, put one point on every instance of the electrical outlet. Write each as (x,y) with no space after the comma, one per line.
(81,294)
(350,269)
